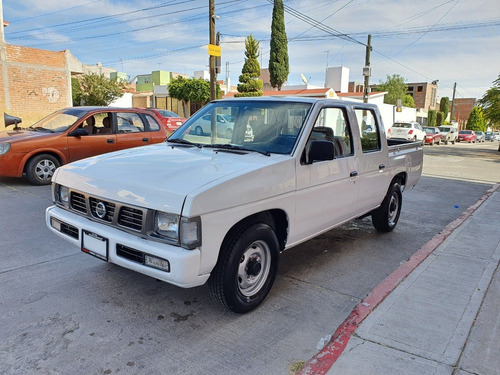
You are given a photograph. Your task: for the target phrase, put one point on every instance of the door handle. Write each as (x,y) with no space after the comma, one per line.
(354,174)
(110,140)
(145,139)
(381,166)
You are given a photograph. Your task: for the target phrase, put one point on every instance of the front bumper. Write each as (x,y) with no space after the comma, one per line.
(184,264)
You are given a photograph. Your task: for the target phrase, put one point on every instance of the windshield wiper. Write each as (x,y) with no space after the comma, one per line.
(227,146)
(183,142)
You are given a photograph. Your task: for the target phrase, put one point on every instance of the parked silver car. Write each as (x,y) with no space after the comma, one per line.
(480,136)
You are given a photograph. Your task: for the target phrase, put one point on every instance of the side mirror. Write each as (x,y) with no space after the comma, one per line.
(321,150)
(78,132)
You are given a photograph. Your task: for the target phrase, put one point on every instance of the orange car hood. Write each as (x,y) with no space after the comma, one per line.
(21,135)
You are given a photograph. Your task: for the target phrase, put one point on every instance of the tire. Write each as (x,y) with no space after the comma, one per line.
(246,268)
(385,218)
(432,142)
(453,142)
(198,130)
(41,168)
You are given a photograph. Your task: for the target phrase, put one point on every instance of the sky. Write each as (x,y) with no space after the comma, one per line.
(452,41)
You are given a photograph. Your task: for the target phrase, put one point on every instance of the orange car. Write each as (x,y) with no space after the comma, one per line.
(71,134)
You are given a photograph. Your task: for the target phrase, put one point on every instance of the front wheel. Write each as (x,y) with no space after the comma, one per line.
(385,218)
(246,268)
(41,168)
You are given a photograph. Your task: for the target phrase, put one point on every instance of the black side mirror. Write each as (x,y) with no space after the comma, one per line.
(78,132)
(321,150)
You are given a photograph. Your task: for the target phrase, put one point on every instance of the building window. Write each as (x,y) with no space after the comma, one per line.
(410,88)
(420,88)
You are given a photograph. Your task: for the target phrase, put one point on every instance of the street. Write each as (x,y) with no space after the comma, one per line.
(64,312)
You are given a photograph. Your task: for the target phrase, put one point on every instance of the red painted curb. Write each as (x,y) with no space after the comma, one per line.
(321,363)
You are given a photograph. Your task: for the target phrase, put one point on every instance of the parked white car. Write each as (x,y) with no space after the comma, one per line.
(450,133)
(411,131)
(224,126)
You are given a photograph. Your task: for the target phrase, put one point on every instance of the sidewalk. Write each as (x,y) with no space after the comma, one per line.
(437,314)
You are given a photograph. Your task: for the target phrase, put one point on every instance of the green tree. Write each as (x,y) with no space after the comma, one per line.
(278,61)
(490,104)
(408,101)
(431,117)
(76,91)
(476,120)
(96,89)
(250,84)
(444,106)
(396,88)
(190,90)
(439,118)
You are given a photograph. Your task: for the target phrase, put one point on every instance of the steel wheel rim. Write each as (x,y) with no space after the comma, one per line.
(393,208)
(44,169)
(254,268)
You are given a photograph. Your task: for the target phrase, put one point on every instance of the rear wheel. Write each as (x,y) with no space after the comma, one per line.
(198,130)
(41,168)
(385,218)
(246,269)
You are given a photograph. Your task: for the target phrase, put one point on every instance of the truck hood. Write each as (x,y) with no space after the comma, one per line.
(158,176)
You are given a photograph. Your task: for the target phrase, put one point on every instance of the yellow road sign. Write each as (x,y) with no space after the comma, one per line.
(213,50)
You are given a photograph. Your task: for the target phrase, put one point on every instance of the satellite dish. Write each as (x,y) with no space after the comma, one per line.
(304,79)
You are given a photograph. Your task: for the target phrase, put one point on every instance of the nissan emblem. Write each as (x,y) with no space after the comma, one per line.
(100,210)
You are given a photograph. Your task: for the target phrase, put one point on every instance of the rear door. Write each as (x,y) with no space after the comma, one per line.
(373,174)
(134,130)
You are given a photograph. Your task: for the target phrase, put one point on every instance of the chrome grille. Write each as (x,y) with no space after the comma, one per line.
(110,209)
(78,202)
(131,218)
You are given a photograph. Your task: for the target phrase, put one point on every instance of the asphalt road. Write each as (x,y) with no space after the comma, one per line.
(64,312)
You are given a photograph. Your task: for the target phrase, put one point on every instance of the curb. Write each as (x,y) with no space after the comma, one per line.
(321,363)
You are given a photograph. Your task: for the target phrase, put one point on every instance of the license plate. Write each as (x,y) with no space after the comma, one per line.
(95,245)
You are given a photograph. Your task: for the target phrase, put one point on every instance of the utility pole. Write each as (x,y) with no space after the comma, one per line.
(453,101)
(367,70)
(213,76)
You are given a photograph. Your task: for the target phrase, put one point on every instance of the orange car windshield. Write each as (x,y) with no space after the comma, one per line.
(58,122)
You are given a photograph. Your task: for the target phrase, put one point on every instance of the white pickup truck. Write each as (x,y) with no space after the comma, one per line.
(221,205)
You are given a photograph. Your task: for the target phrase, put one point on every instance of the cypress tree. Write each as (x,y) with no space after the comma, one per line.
(278,62)
(249,84)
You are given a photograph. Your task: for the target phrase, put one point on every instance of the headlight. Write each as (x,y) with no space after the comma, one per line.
(4,147)
(60,194)
(167,225)
(183,231)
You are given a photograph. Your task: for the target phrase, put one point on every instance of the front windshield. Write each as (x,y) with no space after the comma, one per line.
(59,121)
(266,126)
(465,132)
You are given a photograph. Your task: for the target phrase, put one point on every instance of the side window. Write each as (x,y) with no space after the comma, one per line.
(368,130)
(153,125)
(129,122)
(331,125)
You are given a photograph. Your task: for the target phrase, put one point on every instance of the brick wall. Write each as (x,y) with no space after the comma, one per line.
(33,82)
